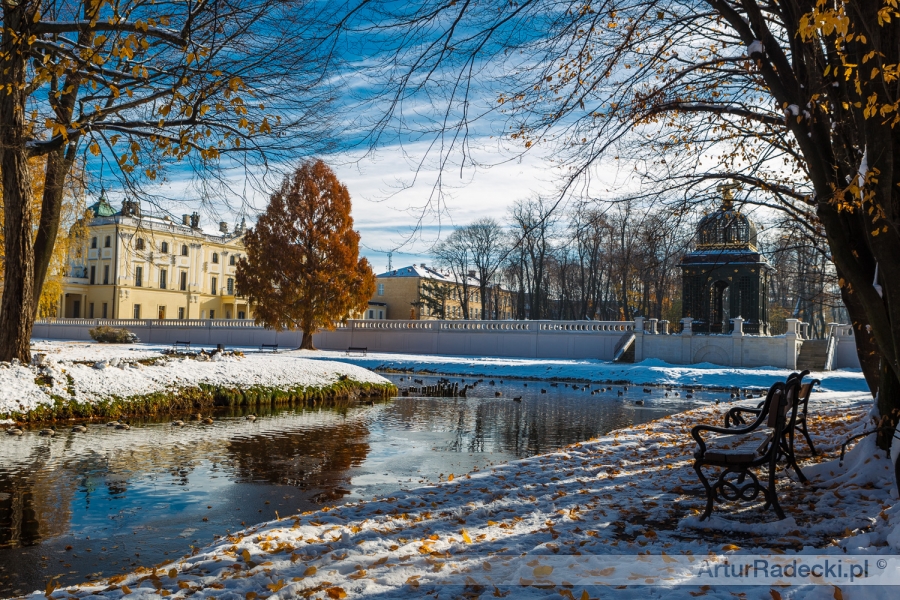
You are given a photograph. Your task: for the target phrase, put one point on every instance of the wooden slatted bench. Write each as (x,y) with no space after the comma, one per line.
(737,451)
(185,345)
(358,350)
(270,347)
(735,415)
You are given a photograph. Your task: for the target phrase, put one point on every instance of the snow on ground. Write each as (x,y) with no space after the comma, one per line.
(629,496)
(101,371)
(647,372)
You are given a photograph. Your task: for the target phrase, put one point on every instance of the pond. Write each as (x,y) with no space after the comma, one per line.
(86,505)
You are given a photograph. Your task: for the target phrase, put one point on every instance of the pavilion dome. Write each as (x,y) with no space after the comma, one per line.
(726,228)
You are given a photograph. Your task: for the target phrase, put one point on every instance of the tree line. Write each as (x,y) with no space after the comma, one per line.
(611,261)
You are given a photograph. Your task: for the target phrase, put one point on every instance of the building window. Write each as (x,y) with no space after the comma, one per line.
(139,244)
(227,314)
(184,249)
(161,313)
(181,313)
(215,258)
(91,310)
(164,247)
(138,276)
(231,260)
(242,315)
(107,242)
(380,314)
(137,311)
(105,274)
(215,284)
(230,286)
(381,289)
(371,314)
(212,314)
(104,309)
(162,279)
(93,242)
(93,274)
(183,282)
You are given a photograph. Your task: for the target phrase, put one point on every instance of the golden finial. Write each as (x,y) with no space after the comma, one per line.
(727,190)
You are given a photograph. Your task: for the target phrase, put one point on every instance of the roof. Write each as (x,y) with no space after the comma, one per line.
(425,272)
(102,208)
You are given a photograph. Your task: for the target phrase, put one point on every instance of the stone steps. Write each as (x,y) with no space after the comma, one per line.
(812,355)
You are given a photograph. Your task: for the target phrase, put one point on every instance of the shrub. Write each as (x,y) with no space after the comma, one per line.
(110,335)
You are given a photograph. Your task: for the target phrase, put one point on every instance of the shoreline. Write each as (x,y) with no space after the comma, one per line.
(626,493)
(185,401)
(71,381)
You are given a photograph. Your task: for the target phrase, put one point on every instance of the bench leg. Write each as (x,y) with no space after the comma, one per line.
(809,441)
(710,493)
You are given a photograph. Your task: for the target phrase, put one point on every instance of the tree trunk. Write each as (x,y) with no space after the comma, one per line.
(307,342)
(59,163)
(888,401)
(18,303)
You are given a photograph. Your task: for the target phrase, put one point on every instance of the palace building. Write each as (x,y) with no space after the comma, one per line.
(139,266)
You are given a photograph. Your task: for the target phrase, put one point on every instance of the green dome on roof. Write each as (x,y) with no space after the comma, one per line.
(102,208)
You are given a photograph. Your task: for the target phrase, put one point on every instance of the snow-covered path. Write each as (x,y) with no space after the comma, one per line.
(495,533)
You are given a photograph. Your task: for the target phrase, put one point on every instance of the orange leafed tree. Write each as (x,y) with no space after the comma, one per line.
(302,268)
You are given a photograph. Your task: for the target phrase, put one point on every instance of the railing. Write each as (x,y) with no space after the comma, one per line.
(586,327)
(622,345)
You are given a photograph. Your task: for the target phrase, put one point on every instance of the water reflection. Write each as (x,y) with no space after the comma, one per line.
(81,506)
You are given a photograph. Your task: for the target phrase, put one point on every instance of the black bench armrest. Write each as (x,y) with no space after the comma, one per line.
(695,432)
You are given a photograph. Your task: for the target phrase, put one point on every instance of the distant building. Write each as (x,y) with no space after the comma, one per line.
(726,276)
(138,266)
(421,292)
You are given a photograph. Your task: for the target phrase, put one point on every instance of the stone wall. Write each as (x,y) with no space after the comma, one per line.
(523,339)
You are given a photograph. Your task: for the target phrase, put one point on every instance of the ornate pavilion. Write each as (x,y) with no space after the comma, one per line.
(726,276)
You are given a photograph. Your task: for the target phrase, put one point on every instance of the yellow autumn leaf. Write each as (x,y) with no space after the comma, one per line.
(838,595)
(276,586)
(250,595)
(542,571)
(246,555)
(730,547)
(584,595)
(309,572)
(126,590)
(465,536)
(336,593)
(173,573)
(775,594)
(450,478)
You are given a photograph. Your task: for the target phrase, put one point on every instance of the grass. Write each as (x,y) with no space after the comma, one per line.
(205,397)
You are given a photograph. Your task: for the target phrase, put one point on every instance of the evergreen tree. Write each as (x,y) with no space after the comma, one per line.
(302,268)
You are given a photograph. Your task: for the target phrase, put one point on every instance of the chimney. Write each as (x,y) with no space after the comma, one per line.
(472,274)
(223,226)
(186,220)
(423,265)
(195,220)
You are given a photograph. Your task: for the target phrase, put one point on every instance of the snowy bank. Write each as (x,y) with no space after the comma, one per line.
(558,526)
(647,372)
(78,376)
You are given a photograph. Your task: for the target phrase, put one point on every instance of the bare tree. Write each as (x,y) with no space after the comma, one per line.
(486,244)
(454,254)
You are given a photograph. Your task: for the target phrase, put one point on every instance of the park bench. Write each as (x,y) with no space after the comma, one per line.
(738,451)
(735,415)
(357,350)
(184,345)
(269,347)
